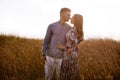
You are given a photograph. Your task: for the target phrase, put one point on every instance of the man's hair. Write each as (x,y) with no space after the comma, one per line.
(64,10)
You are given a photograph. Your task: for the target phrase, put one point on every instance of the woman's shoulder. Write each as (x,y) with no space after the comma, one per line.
(72,29)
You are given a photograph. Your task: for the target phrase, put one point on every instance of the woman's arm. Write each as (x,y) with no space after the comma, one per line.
(60,46)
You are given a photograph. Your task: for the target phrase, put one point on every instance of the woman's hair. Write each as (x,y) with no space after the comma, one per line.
(78,23)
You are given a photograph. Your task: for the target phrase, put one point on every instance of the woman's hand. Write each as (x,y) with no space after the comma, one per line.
(60,46)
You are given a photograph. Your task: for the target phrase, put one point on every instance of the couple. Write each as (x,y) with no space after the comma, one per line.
(59,50)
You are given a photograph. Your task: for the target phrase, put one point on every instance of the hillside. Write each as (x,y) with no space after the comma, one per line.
(20,59)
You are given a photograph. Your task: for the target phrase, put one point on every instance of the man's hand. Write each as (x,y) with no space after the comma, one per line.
(43,59)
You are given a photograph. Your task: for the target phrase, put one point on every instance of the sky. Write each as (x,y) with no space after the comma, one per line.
(30,18)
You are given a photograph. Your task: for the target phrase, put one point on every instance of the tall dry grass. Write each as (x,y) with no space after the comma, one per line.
(20,59)
(100,59)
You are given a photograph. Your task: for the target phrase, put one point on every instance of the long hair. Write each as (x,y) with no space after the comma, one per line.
(78,23)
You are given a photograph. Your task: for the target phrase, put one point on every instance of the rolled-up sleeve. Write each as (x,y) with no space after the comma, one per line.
(46,40)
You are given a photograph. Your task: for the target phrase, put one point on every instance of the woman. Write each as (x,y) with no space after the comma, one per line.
(70,65)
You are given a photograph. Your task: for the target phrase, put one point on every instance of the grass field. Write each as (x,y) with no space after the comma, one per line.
(20,59)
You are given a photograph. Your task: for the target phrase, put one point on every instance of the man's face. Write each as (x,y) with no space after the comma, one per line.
(66,15)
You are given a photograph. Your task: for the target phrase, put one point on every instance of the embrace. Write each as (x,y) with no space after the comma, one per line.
(59,50)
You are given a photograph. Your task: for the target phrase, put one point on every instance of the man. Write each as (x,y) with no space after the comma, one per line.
(51,55)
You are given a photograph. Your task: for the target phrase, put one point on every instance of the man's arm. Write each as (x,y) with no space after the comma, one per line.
(46,40)
(46,43)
